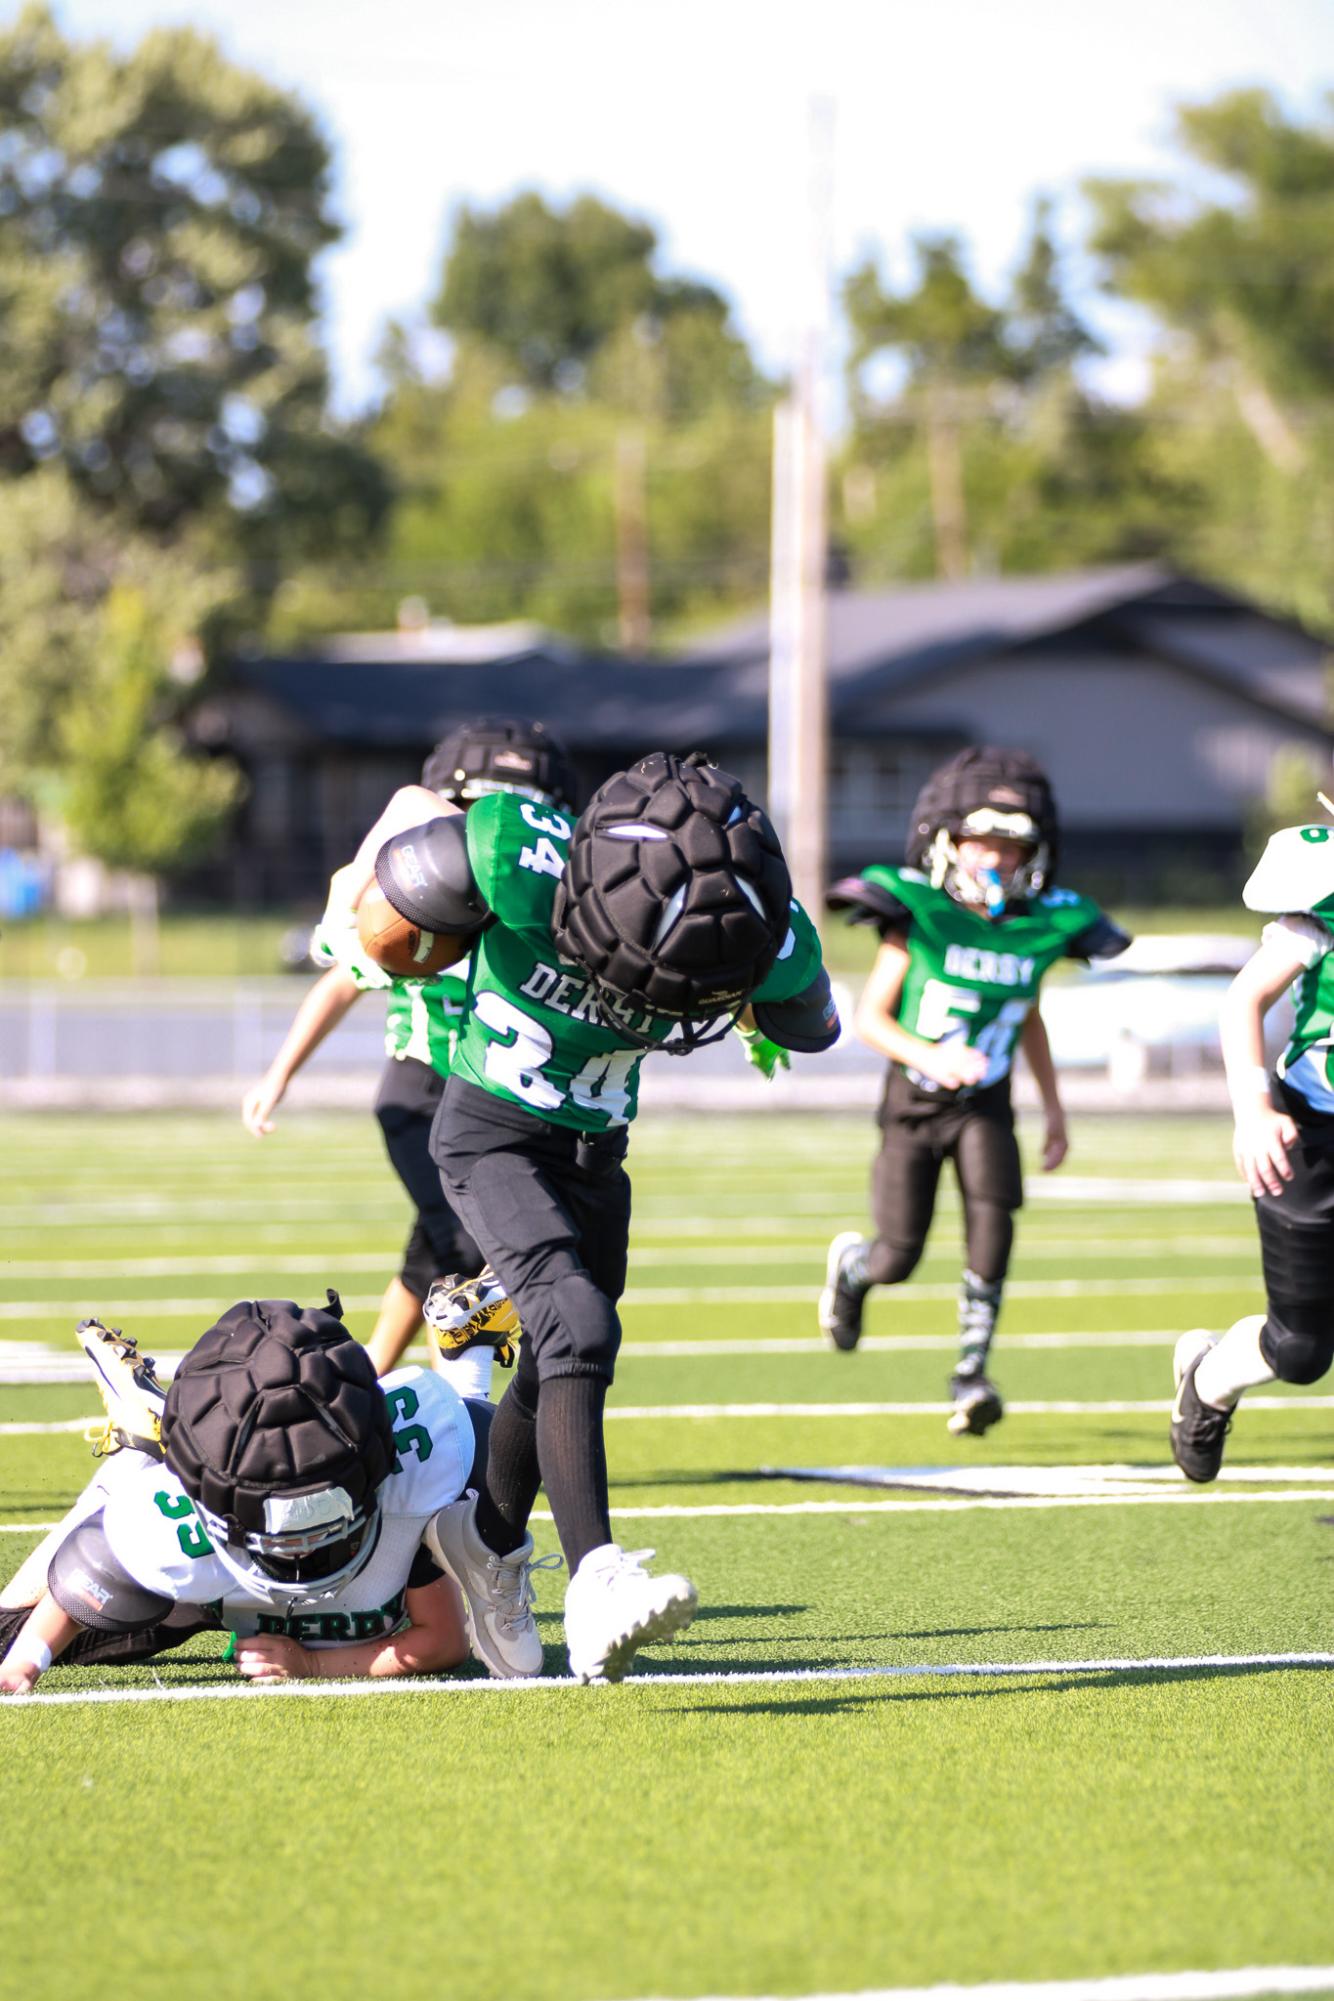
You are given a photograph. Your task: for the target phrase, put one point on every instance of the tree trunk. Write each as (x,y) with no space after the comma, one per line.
(145,929)
(949,510)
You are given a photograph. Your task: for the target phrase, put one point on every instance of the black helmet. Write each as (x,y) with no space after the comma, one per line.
(985,790)
(500,754)
(278,1430)
(675,896)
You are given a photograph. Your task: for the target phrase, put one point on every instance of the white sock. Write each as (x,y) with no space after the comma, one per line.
(468,1373)
(1233,1364)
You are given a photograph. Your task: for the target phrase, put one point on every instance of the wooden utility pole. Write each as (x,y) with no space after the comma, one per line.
(798,700)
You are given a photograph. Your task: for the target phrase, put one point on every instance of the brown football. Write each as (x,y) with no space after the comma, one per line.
(401,946)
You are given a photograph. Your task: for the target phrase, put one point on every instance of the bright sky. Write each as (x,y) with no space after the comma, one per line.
(695,114)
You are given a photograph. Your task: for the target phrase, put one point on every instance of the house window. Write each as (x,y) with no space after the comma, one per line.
(872,787)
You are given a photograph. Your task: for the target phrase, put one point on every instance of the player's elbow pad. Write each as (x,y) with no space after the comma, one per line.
(808,1023)
(90,1586)
(427,877)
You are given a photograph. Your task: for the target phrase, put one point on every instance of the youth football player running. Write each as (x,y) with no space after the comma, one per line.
(493,754)
(659,920)
(276,1489)
(968,929)
(1283,1145)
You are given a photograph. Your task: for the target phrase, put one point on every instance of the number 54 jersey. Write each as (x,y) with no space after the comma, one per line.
(972,978)
(155,1534)
(534,1030)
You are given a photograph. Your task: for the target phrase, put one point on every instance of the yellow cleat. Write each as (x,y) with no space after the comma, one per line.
(129,1387)
(476,1312)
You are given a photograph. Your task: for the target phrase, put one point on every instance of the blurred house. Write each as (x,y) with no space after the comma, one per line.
(1158,703)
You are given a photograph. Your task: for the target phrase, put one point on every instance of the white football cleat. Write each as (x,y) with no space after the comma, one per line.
(497,1591)
(130,1390)
(613,1606)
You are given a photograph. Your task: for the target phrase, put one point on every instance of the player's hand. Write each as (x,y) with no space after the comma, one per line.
(257,1108)
(19,1678)
(766,1055)
(954,1064)
(1260,1145)
(273,1657)
(1055,1145)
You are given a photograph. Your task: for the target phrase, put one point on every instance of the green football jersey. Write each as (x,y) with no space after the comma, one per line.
(972,978)
(534,1031)
(422,1019)
(1294,879)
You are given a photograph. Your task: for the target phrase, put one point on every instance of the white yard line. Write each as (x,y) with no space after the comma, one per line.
(740,1251)
(1095,1286)
(1226,1984)
(1058,1407)
(983,1503)
(760,1678)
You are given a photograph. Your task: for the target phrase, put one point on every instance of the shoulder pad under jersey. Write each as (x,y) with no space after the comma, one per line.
(1295,873)
(877,896)
(434,1439)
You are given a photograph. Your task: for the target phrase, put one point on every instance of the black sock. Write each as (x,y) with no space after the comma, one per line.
(574,1462)
(512,1476)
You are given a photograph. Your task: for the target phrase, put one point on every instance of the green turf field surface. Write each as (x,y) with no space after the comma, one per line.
(1016,1718)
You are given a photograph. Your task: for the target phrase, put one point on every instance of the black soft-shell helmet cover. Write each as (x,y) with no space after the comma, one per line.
(985,776)
(675,897)
(500,754)
(275,1399)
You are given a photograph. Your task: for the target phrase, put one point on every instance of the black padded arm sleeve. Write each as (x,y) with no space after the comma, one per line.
(1102,940)
(863,902)
(807,1023)
(90,1586)
(427,876)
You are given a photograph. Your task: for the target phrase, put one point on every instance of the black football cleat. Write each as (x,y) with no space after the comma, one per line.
(1199,1429)
(976,1406)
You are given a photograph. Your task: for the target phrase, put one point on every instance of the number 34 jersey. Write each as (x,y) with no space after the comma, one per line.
(972,978)
(534,1031)
(160,1541)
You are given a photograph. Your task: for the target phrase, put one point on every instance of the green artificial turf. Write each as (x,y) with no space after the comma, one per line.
(681,1837)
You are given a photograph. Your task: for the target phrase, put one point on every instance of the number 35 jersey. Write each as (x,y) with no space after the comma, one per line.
(534,1031)
(972,978)
(155,1534)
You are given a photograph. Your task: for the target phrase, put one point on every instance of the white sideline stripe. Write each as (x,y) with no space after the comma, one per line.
(1059,1407)
(767,1677)
(663,1295)
(1227,1984)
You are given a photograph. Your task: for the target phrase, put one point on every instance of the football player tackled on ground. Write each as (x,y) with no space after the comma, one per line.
(650,924)
(276,1489)
(1283,1144)
(968,928)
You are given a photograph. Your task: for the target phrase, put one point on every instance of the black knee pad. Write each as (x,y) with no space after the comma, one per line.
(1297,1339)
(890,1264)
(574,1327)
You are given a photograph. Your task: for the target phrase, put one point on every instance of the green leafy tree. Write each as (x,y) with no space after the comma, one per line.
(160,213)
(1237,268)
(950,345)
(597,457)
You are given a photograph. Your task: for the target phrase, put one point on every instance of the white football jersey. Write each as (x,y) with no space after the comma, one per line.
(155,1534)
